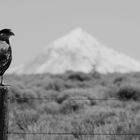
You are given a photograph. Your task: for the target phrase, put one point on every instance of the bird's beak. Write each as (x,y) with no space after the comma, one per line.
(12,34)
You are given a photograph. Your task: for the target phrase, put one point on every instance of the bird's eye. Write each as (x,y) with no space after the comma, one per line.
(1,34)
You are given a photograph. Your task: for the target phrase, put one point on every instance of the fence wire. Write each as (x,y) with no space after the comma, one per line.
(82,134)
(106,99)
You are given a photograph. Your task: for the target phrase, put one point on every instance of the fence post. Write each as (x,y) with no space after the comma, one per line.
(3,113)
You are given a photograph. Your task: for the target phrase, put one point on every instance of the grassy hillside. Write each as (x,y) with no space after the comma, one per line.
(75,104)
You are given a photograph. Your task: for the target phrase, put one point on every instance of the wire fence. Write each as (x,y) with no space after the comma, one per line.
(102,99)
(71,133)
(82,134)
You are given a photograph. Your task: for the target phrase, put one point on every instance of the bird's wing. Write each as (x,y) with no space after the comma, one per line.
(4,55)
(3,45)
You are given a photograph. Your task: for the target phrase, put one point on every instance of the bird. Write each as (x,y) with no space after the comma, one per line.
(5,51)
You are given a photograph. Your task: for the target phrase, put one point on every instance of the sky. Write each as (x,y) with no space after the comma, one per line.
(36,23)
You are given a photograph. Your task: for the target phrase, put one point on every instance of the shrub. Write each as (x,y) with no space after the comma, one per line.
(25,118)
(86,95)
(49,108)
(74,104)
(128,92)
(79,76)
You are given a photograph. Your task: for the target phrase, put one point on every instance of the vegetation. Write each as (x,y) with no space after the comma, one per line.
(81,106)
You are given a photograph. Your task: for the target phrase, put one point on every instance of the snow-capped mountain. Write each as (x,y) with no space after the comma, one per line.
(78,51)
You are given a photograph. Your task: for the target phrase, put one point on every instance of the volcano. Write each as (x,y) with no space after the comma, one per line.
(78,51)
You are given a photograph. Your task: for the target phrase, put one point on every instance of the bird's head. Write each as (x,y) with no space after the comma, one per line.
(6,33)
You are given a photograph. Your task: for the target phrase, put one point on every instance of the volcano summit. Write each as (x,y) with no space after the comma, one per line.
(79,51)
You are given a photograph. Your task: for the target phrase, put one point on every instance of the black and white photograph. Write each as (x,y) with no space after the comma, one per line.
(70,70)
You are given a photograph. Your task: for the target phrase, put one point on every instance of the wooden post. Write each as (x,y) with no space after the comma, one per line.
(3,113)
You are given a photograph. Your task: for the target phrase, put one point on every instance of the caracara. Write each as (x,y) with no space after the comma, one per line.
(5,52)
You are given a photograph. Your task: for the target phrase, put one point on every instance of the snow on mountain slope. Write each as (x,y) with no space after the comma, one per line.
(79,51)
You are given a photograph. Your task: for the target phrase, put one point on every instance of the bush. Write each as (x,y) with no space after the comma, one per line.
(49,108)
(25,118)
(74,104)
(128,92)
(79,76)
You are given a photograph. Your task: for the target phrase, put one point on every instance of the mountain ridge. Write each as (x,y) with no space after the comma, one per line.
(79,51)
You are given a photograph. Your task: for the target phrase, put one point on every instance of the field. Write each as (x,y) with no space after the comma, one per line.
(74,106)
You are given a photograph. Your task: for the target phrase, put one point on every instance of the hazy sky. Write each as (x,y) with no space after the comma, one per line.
(115,23)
